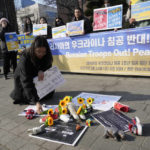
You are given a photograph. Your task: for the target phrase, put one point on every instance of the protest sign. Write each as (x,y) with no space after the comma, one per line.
(11,41)
(63,133)
(134,1)
(113,118)
(75,28)
(52,79)
(141,11)
(108,18)
(125,52)
(59,32)
(25,40)
(39,29)
(101,102)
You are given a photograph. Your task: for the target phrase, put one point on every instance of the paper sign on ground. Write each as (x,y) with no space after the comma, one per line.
(101,102)
(107,18)
(12,41)
(39,29)
(113,118)
(75,28)
(52,79)
(63,133)
(141,11)
(59,32)
(47,107)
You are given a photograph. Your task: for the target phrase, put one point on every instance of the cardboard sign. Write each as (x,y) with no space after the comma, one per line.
(113,118)
(75,28)
(12,41)
(25,40)
(39,29)
(101,102)
(59,32)
(52,79)
(63,133)
(141,11)
(108,18)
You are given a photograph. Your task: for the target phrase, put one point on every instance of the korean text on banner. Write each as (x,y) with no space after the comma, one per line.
(75,28)
(39,29)
(141,11)
(12,41)
(59,32)
(108,18)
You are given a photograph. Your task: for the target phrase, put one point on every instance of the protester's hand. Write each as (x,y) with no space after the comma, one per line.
(131,20)
(83,33)
(39,109)
(115,29)
(27,33)
(40,75)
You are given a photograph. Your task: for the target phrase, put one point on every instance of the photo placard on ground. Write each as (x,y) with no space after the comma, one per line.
(141,11)
(47,107)
(108,18)
(101,102)
(63,133)
(59,32)
(12,41)
(52,79)
(113,118)
(75,28)
(39,29)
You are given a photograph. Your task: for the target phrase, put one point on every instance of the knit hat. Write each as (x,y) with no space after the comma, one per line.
(4,19)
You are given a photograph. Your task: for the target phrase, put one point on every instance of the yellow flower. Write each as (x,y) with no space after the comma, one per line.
(84,106)
(67,99)
(50,112)
(64,111)
(90,100)
(62,103)
(79,110)
(50,121)
(80,100)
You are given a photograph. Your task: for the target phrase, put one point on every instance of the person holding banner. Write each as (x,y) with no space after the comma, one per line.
(78,15)
(33,62)
(7,55)
(59,22)
(132,21)
(49,29)
(28,27)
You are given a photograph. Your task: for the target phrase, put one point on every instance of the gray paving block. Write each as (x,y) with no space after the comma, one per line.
(3,148)
(29,147)
(16,143)
(146,143)
(129,147)
(52,145)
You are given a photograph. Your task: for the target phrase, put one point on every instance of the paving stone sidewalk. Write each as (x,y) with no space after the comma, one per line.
(135,92)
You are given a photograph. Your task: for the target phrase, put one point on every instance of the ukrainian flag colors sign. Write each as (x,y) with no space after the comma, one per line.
(11,41)
(125,52)
(141,11)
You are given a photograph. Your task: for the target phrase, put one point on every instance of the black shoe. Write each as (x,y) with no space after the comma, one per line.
(5,77)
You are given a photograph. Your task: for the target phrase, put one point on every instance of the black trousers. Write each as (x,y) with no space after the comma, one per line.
(9,58)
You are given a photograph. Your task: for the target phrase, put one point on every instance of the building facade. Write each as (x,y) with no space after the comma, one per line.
(35,12)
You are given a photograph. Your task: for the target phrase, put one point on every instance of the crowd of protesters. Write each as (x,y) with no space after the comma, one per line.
(38,58)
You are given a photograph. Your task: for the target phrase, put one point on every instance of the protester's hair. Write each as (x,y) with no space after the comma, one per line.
(78,8)
(26,25)
(44,19)
(60,20)
(40,41)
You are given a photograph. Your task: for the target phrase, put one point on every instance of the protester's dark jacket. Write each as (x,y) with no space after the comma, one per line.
(28,28)
(87,24)
(2,37)
(24,88)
